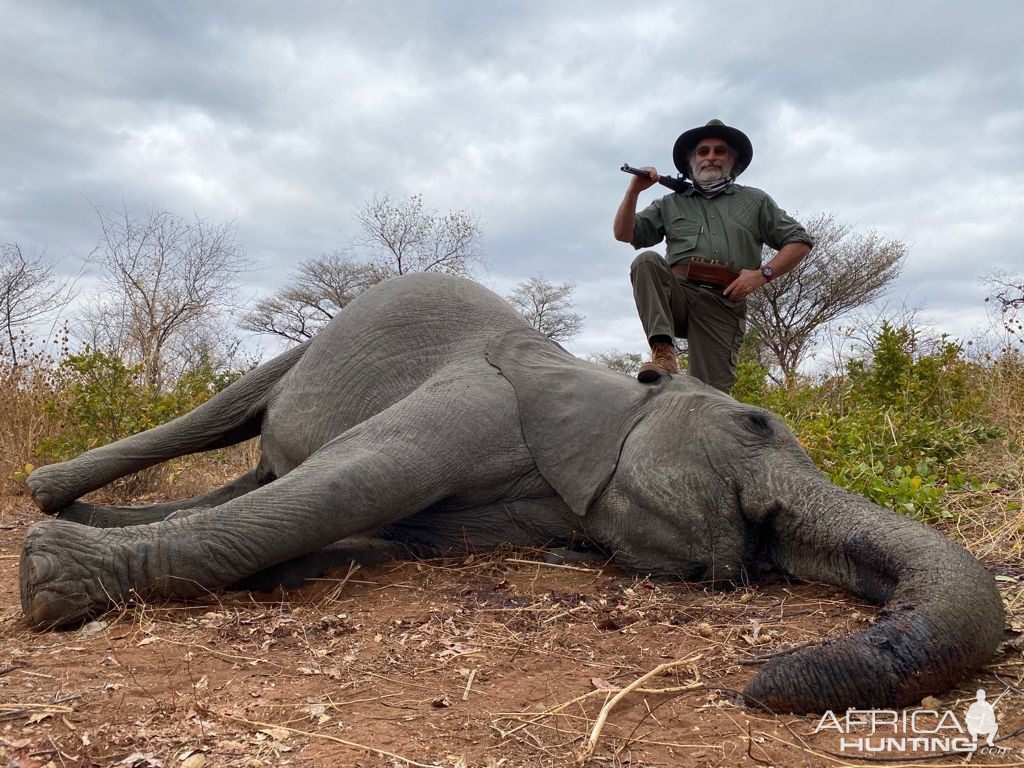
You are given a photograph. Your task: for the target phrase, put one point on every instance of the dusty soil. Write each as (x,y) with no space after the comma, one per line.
(495,661)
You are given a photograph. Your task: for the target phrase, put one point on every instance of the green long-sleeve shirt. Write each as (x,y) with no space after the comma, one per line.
(729,228)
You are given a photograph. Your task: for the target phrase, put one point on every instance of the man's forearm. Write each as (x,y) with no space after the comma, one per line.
(788,257)
(625,217)
(751,280)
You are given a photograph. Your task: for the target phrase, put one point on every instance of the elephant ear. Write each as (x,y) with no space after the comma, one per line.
(575,415)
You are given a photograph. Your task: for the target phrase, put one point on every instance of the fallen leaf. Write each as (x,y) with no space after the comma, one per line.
(139,760)
(277,734)
(92,628)
(315,710)
(461,650)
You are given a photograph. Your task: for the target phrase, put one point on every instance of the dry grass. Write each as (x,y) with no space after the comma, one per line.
(481,661)
(24,423)
(23,389)
(491,661)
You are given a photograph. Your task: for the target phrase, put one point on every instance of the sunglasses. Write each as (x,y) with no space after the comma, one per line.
(720,150)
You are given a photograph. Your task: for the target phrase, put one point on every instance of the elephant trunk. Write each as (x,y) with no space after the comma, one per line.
(942,616)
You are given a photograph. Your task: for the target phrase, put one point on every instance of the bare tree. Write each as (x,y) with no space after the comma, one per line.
(547,307)
(856,337)
(401,237)
(167,284)
(624,362)
(30,292)
(404,236)
(844,271)
(1006,293)
(324,285)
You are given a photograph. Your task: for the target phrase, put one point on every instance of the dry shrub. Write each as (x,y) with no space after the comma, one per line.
(24,387)
(55,406)
(992,518)
(1005,398)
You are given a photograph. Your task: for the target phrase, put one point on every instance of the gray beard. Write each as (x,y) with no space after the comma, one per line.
(709,174)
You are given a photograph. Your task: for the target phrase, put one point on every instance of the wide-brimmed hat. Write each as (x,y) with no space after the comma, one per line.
(734,137)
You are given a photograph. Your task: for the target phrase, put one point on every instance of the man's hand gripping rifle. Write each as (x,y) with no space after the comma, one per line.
(675,184)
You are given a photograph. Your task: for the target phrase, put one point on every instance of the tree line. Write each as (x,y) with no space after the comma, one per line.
(167,291)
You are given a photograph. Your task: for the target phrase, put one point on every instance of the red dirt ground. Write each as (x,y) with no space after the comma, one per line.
(492,661)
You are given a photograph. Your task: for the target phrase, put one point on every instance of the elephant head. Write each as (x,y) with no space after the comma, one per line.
(682,480)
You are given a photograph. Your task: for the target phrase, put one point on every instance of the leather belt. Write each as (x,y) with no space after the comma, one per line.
(705,273)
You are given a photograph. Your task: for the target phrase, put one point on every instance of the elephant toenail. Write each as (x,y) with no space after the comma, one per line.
(40,568)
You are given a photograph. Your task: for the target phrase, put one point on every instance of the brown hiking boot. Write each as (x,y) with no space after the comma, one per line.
(663,363)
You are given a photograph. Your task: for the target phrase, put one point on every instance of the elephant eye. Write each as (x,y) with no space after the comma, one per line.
(759,424)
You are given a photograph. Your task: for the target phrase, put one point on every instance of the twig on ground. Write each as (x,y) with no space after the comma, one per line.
(587,750)
(326,737)
(550,565)
(784,652)
(469,684)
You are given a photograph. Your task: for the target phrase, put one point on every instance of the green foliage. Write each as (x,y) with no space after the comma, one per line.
(751,382)
(97,399)
(894,427)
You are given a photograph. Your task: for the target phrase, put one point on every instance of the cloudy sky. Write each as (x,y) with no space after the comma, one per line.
(903,117)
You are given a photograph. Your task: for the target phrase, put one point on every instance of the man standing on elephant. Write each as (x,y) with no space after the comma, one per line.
(714,231)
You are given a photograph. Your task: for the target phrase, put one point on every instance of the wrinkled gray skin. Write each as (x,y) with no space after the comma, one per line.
(429,414)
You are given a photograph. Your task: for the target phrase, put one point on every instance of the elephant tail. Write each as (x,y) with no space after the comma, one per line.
(942,614)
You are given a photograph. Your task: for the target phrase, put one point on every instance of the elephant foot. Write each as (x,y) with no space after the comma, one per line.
(51,488)
(65,575)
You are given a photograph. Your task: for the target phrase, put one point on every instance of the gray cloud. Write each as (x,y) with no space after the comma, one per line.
(905,118)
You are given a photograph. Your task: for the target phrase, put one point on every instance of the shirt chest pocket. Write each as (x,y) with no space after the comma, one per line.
(682,234)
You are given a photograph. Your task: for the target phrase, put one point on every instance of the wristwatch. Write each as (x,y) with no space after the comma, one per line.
(768,272)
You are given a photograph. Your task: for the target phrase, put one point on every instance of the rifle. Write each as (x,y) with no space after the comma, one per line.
(678,184)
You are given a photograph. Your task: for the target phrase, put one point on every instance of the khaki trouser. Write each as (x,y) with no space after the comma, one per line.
(712,325)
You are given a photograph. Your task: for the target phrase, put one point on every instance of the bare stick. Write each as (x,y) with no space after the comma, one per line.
(587,750)
(550,565)
(469,684)
(784,652)
(334,739)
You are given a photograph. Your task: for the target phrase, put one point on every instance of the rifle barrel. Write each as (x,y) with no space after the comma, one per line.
(676,185)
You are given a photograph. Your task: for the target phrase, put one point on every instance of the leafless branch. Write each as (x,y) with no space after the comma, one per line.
(547,307)
(844,271)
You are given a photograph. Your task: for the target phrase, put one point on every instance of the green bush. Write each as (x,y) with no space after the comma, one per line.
(894,426)
(98,399)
